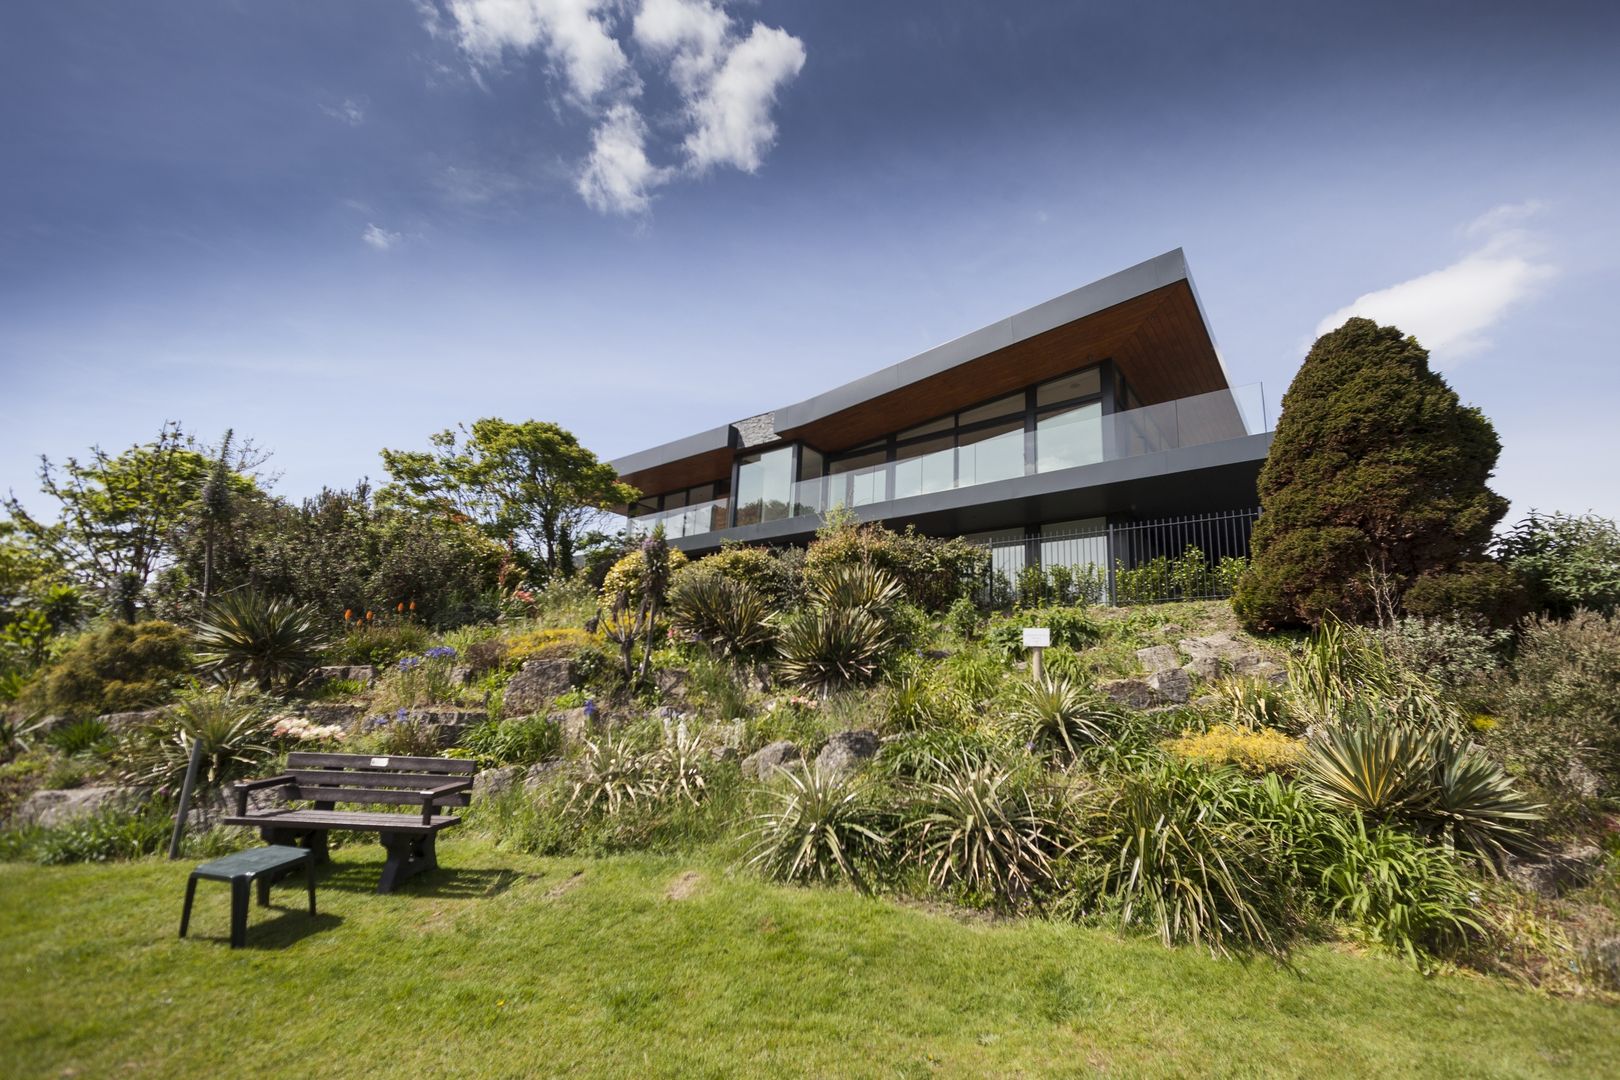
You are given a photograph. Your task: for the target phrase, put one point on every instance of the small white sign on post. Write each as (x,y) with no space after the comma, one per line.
(1036,639)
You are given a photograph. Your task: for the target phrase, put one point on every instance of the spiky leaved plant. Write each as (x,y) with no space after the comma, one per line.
(820,826)
(1058,714)
(267,641)
(612,776)
(980,826)
(732,617)
(828,648)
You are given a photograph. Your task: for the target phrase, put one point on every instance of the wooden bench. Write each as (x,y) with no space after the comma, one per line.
(429,784)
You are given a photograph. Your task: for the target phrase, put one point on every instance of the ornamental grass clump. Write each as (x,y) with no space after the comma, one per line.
(1256,752)
(819,826)
(1057,715)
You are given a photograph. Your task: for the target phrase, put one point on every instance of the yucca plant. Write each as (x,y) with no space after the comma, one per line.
(1371,765)
(1179,856)
(856,585)
(267,641)
(85,737)
(612,776)
(828,648)
(232,727)
(730,616)
(1059,715)
(820,826)
(1475,806)
(979,827)
(677,767)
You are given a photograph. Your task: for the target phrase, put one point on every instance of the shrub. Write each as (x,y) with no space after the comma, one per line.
(1253,751)
(1568,562)
(231,727)
(419,680)
(1071,628)
(1056,715)
(828,648)
(933,573)
(88,736)
(545,644)
(980,828)
(118,668)
(379,643)
(772,574)
(1254,703)
(1452,652)
(106,836)
(1558,709)
(264,640)
(819,827)
(730,615)
(625,578)
(1190,576)
(1473,592)
(963,618)
(1375,463)
(402,734)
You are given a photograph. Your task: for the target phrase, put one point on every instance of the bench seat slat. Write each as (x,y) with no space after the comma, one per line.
(358,821)
(300,759)
(373,779)
(316,793)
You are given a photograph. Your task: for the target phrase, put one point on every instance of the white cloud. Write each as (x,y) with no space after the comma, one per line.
(618,178)
(380,238)
(1450,310)
(733,113)
(348,111)
(727,82)
(574,34)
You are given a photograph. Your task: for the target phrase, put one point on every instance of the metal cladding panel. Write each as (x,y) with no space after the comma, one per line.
(704,442)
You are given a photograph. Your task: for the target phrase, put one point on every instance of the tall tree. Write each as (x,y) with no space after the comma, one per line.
(1376,471)
(530,485)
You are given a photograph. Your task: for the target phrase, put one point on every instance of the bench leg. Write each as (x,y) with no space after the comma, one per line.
(239,912)
(185,912)
(314,840)
(264,889)
(408,856)
(309,879)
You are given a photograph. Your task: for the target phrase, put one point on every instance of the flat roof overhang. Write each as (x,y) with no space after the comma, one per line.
(1146,319)
(1189,480)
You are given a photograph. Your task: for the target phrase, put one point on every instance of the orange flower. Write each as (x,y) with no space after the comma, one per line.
(399,608)
(348,613)
(368,616)
(413,605)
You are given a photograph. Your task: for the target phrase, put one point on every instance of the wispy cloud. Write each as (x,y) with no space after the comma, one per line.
(380,238)
(347,111)
(726,80)
(1450,310)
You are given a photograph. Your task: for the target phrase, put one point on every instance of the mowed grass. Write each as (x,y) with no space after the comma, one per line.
(501,965)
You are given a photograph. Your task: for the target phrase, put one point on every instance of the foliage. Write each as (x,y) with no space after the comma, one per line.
(820,826)
(378,642)
(117,668)
(981,827)
(1478,591)
(402,733)
(1072,627)
(728,614)
(88,736)
(544,644)
(634,607)
(963,618)
(628,577)
(1191,576)
(530,485)
(1389,770)
(1177,850)
(109,835)
(1568,561)
(232,729)
(827,648)
(1057,715)
(265,640)
(1257,751)
(933,573)
(1451,652)
(1253,703)
(1375,463)
(775,575)
(1558,711)
(120,514)
(1399,891)
(614,776)
(413,681)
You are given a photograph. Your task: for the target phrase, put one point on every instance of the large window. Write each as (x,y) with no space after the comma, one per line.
(925,466)
(764,486)
(1068,436)
(992,453)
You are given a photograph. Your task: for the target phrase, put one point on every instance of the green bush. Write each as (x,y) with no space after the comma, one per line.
(933,573)
(773,574)
(1375,465)
(232,728)
(377,642)
(1072,627)
(1568,562)
(1475,591)
(729,615)
(522,740)
(107,836)
(819,827)
(118,668)
(1191,576)
(1057,716)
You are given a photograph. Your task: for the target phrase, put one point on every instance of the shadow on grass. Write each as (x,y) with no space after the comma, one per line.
(453,882)
(290,924)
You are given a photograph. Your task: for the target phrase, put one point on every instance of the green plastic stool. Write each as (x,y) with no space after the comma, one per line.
(242,869)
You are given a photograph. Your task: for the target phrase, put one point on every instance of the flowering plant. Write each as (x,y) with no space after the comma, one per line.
(301,729)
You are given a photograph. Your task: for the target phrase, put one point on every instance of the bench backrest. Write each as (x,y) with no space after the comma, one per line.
(376,778)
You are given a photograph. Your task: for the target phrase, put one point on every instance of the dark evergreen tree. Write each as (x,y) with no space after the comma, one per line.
(1376,473)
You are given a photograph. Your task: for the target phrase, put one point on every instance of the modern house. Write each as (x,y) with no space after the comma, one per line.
(1107,405)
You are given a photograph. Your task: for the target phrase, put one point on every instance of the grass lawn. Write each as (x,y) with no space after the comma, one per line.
(501,965)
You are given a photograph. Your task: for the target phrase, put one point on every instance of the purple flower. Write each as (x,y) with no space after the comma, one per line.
(590,708)
(409,662)
(440,652)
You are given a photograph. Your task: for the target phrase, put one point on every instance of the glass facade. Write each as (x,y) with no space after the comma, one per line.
(764,486)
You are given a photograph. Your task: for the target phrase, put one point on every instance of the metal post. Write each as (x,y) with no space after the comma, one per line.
(1109,555)
(185,797)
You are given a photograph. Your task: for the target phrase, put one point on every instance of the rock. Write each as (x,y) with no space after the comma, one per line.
(767,759)
(723,753)
(341,715)
(671,682)
(1172,686)
(462,675)
(846,750)
(492,782)
(49,809)
(539,683)
(1130,692)
(1158,658)
(578,724)
(937,654)
(1253,665)
(123,721)
(1554,872)
(1207,702)
(541,773)
(364,674)
(1204,668)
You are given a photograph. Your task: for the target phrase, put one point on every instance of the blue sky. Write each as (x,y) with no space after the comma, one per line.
(342,226)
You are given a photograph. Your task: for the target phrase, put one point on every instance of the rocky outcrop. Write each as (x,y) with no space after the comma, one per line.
(50,809)
(847,751)
(1158,658)
(1203,668)
(765,761)
(1132,693)
(1553,872)
(489,783)
(364,674)
(539,683)
(1173,687)
(671,682)
(124,721)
